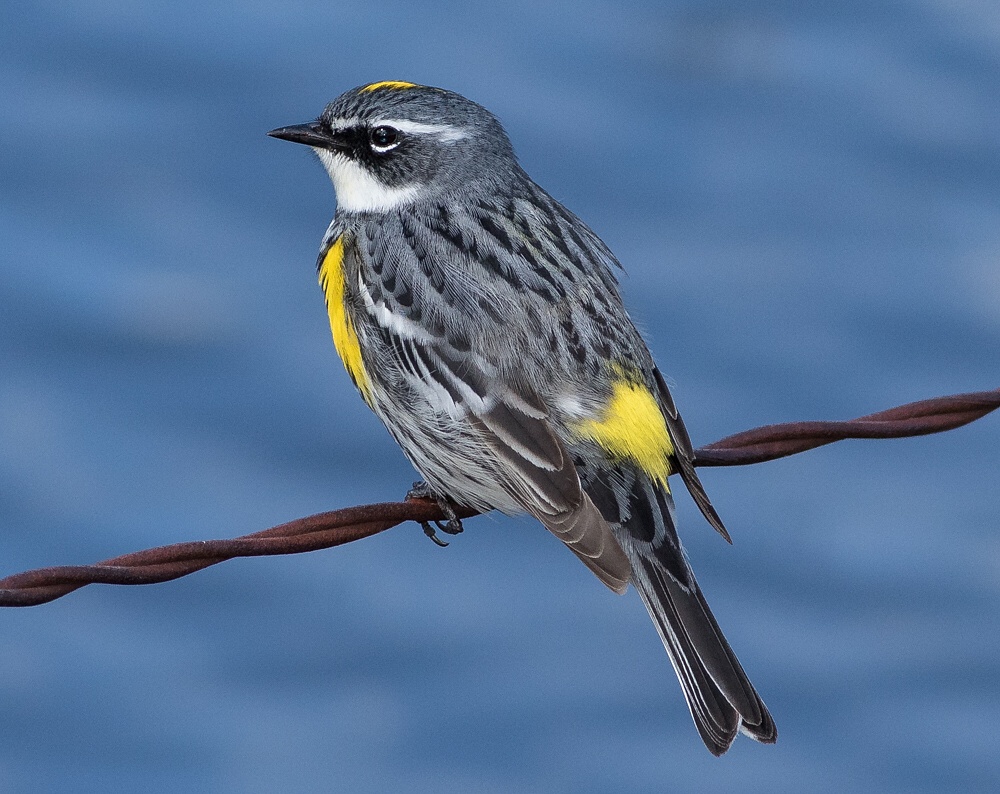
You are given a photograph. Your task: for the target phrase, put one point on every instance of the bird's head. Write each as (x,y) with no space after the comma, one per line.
(392,144)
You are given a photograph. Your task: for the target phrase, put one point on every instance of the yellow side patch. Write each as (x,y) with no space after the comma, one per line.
(632,427)
(398,85)
(345,338)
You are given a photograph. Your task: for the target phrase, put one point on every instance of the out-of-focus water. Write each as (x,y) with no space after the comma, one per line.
(806,197)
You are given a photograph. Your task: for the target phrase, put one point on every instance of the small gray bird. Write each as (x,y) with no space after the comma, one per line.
(481,321)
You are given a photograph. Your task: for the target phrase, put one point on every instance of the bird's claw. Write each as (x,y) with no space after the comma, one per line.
(421,490)
(429,532)
(453,525)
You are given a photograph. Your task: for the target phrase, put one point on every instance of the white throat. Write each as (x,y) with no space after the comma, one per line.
(359,191)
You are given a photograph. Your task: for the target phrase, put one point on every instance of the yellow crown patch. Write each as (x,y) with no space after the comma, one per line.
(395,85)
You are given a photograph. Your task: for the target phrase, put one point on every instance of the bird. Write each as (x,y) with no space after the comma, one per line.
(482,322)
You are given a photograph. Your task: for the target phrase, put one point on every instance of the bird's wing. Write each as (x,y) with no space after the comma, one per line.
(509,422)
(684,457)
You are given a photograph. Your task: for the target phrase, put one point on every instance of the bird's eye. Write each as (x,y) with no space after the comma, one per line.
(383,138)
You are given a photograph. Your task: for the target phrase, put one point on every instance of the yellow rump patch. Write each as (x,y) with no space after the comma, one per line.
(632,427)
(345,338)
(397,85)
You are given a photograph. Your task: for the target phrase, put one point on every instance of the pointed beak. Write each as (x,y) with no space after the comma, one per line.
(312,133)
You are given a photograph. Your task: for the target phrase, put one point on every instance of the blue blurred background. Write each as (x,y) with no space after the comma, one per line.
(807,200)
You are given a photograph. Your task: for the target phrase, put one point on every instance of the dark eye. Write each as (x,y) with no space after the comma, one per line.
(384,138)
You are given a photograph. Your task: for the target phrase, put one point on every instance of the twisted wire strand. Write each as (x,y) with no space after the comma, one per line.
(913,419)
(325,530)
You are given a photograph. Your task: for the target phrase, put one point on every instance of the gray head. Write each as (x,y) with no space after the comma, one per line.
(390,144)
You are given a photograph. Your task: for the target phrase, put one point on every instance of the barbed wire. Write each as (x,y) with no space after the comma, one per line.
(913,419)
(325,530)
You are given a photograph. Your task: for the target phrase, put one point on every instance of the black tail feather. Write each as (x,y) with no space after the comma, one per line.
(720,696)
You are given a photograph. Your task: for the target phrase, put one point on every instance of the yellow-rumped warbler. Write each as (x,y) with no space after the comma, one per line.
(481,321)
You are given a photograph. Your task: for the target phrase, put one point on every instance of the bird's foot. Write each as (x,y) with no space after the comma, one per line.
(452,526)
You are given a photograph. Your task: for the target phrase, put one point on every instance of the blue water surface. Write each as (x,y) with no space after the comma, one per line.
(806,197)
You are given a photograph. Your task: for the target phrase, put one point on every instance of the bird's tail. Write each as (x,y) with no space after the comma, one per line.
(721,698)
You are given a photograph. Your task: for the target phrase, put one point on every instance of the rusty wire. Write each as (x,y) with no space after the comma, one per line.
(325,530)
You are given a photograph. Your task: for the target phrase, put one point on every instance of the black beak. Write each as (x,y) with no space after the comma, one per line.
(313,133)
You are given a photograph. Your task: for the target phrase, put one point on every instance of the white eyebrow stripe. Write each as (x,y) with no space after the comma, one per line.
(444,132)
(336,125)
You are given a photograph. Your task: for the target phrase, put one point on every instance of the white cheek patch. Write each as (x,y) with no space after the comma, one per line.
(359,191)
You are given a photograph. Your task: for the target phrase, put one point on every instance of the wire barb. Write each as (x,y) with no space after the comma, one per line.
(325,530)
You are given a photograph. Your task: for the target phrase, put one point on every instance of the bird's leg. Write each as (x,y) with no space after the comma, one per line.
(452,526)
